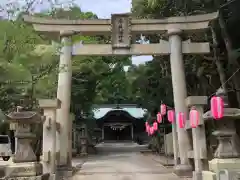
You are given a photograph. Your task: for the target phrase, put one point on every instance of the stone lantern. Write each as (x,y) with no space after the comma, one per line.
(83,140)
(227,153)
(25,163)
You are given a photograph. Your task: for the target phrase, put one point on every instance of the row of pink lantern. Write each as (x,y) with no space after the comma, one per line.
(217,111)
(151,129)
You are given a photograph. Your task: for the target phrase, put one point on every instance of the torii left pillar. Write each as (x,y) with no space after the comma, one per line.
(64,161)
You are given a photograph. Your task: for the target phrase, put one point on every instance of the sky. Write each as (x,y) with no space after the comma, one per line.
(103,9)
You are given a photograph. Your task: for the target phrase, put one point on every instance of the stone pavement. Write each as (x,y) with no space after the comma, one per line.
(166,161)
(121,161)
(125,165)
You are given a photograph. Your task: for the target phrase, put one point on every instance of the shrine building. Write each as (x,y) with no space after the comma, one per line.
(123,122)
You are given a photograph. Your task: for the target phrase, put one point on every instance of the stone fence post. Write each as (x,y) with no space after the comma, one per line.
(49,134)
(198,136)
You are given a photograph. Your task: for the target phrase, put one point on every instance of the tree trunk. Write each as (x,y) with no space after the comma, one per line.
(231,61)
(218,63)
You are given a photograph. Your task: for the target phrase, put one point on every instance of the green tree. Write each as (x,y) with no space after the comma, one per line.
(22,69)
(202,77)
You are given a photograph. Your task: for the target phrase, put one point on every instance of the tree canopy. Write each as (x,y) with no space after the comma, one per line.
(30,74)
(204,74)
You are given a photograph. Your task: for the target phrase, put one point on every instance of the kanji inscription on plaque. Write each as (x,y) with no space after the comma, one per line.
(121,30)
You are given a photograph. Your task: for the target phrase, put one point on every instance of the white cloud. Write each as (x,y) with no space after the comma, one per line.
(104,8)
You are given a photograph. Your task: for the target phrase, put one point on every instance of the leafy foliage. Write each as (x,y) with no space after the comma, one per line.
(28,68)
(201,75)
(98,80)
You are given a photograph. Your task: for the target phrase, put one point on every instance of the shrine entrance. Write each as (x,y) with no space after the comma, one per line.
(117,132)
(175,40)
(121,123)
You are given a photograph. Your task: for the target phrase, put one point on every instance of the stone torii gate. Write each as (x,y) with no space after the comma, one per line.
(122,28)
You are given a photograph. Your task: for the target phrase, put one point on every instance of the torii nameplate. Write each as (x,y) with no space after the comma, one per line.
(121,31)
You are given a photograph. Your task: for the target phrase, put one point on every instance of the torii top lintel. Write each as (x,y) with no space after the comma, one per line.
(137,26)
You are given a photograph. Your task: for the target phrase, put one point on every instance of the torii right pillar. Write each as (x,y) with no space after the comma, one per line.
(179,94)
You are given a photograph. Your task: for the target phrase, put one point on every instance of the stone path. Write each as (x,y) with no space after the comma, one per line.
(127,165)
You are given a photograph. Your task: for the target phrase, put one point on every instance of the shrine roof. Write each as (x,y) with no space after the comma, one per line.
(132,109)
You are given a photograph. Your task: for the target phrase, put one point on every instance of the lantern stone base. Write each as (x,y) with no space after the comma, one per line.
(24,169)
(216,165)
(183,170)
(229,164)
(41,177)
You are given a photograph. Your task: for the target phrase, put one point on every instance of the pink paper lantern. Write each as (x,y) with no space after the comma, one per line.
(151,130)
(181,120)
(217,107)
(194,118)
(171,115)
(155,126)
(159,117)
(163,108)
(147,128)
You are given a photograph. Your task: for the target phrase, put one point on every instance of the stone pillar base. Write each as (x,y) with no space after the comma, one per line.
(183,170)
(64,172)
(216,165)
